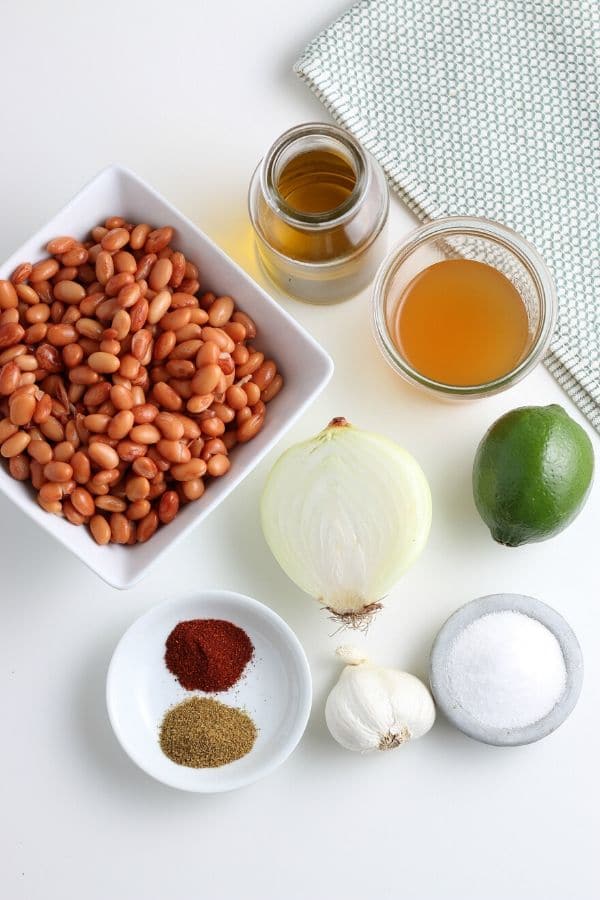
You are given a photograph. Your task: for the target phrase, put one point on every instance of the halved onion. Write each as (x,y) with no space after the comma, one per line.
(345,514)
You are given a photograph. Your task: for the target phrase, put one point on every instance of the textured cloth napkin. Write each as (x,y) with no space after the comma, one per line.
(491,108)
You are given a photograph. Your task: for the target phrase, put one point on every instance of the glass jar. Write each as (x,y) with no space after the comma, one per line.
(327,250)
(470,238)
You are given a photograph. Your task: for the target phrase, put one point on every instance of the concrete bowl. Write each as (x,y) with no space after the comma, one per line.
(461,718)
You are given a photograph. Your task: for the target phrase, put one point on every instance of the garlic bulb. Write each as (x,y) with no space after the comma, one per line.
(345,514)
(374,708)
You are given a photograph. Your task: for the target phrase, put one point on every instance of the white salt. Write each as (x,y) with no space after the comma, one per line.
(506,670)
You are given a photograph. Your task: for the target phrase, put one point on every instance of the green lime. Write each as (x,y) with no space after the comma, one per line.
(532,473)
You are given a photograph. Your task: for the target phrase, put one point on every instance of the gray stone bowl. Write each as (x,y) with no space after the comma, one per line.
(459,717)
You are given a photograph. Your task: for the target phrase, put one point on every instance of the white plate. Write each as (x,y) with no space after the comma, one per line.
(304,364)
(275,690)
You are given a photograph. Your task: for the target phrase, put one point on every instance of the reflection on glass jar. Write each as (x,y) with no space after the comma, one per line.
(319,203)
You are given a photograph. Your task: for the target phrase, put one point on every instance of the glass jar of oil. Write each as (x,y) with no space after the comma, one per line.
(318,203)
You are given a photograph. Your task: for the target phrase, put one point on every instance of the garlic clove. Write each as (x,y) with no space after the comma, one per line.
(351,724)
(375,708)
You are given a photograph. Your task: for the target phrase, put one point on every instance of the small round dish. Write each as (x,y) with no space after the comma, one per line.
(469,613)
(275,690)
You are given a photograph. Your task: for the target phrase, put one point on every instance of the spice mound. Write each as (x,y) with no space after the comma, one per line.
(204,733)
(208,654)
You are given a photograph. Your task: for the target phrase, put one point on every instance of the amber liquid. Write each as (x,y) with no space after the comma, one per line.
(312,183)
(317,181)
(461,322)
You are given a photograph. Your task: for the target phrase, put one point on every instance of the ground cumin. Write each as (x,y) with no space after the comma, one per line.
(204,733)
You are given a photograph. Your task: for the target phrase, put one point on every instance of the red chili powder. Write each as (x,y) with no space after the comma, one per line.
(208,654)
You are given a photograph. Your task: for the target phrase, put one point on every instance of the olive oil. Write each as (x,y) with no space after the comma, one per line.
(461,322)
(316,181)
(314,185)
(318,203)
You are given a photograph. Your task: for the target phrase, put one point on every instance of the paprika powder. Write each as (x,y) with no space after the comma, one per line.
(208,654)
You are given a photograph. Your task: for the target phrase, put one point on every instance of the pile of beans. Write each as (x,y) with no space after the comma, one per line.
(122,385)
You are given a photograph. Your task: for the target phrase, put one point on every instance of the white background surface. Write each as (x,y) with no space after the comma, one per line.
(190,95)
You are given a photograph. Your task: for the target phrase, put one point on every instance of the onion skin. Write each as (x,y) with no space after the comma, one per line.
(345,514)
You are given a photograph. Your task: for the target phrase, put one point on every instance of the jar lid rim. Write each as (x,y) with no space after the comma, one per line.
(319,220)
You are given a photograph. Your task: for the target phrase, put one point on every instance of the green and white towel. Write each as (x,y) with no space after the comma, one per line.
(486,107)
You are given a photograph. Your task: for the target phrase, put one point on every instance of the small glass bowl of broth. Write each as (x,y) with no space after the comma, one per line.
(318,202)
(464,307)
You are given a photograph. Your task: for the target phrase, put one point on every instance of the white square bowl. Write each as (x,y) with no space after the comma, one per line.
(304,364)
